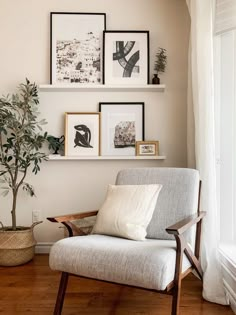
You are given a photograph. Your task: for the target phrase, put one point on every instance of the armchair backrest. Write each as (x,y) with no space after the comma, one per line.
(177,200)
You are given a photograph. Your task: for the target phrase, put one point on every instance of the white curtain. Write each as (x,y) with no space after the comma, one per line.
(201,116)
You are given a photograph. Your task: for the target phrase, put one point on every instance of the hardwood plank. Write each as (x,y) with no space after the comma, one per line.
(32,289)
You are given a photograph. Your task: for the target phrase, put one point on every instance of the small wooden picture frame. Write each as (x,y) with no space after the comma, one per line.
(147,148)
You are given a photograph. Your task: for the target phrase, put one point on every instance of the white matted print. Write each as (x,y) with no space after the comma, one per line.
(126,57)
(76,47)
(82,134)
(122,124)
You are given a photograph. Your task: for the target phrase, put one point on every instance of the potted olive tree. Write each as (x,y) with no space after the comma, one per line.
(21,140)
(160,64)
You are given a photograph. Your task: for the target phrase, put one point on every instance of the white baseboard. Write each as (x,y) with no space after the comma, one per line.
(229,276)
(43,248)
(231,295)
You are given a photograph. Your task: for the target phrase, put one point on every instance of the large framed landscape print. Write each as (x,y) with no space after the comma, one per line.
(126,57)
(76,47)
(122,124)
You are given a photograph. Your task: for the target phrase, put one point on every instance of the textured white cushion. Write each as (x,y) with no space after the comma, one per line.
(177,200)
(127,211)
(149,264)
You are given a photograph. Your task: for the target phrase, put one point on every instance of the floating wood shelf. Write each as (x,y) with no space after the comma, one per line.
(97,158)
(101,88)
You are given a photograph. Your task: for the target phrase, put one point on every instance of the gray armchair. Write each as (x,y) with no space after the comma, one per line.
(160,262)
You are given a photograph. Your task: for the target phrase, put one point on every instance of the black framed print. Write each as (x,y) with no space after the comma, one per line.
(82,134)
(126,57)
(122,124)
(76,47)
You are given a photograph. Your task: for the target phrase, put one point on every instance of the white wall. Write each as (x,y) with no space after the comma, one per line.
(65,187)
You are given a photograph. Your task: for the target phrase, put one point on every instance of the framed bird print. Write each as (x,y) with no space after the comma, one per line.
(82,134)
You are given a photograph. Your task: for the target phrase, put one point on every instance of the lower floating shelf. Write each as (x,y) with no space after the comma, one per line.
(122,157)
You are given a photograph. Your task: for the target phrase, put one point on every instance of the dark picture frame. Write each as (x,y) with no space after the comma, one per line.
(82,133)
(76,47)
(122,124)
(126,57)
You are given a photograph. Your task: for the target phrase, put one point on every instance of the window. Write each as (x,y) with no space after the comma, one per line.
(225,100)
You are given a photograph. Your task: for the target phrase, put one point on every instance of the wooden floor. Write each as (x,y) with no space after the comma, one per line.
(32,289)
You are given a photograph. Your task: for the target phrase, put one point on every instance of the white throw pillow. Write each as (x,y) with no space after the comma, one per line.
(127,211)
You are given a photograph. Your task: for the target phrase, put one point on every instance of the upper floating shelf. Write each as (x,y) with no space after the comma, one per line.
(97,88)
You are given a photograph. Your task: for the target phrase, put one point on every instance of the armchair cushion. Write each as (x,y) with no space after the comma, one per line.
(149,264)
(127,211)
(177,200)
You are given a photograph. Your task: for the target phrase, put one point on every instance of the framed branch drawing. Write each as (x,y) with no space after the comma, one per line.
(76,47)
(126,57)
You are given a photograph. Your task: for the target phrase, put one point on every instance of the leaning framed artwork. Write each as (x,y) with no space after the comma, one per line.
(147,148)
(122,125)
(76,47)
(126,57)
(82,134)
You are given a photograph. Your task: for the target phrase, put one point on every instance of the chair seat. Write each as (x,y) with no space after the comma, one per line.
(148,264)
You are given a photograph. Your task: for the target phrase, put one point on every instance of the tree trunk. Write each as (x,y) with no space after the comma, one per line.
(13,211)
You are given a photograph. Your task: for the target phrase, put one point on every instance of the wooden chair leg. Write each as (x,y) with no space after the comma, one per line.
(176,301)
(61,293)
(177,279)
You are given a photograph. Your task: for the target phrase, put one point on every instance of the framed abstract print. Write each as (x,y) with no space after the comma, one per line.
(122,124)
(126,57)
(82,134)
(76,47)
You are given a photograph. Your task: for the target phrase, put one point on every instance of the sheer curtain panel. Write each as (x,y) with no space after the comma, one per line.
(201,103)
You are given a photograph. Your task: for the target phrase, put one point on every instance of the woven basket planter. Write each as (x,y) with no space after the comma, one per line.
(17,247)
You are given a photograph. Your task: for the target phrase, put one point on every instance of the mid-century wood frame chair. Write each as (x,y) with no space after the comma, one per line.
(178,201)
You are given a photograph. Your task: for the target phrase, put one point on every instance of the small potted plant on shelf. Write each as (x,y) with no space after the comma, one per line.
(21,140)
(56,144)
(160,64)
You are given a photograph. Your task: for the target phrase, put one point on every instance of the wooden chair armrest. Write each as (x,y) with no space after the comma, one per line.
(72,229)
(71,217)
(183,225)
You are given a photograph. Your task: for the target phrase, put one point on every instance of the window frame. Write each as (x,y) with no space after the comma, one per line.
(225,132)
